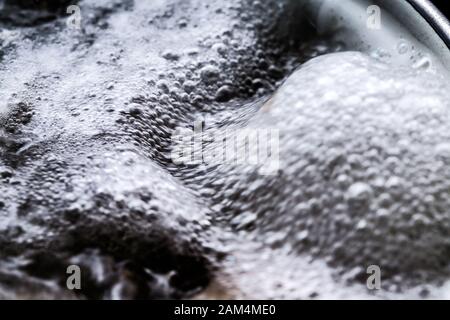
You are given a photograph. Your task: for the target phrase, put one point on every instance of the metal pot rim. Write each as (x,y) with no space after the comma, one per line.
(434,17)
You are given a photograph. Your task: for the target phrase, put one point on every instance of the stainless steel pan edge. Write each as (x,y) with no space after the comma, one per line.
(434,17)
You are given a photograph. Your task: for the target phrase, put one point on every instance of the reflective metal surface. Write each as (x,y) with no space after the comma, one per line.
(434,17)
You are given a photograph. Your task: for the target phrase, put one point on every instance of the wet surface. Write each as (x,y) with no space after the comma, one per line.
(87,175)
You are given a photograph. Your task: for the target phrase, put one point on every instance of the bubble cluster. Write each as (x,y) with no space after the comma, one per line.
(364,176)
(86,126)
(86,174)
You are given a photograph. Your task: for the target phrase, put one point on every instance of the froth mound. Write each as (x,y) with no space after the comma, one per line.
(364,167)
